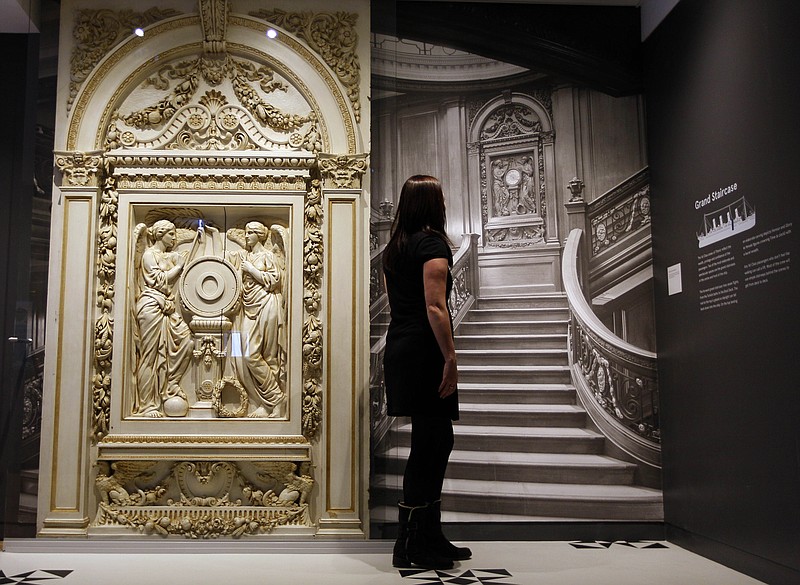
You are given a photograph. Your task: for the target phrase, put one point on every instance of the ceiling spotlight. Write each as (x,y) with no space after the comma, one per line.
(272,33)
(138,32)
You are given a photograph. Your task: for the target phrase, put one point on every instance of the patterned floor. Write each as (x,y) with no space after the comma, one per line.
(173,562)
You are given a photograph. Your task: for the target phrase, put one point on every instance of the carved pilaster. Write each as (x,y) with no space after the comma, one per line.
(342,172)
(79,168)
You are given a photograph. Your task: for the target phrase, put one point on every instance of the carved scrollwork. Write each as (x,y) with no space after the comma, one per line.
(510,121)
(515,237)
(202,499)
(333,37)
(622,219)
(212,123)
(629,395)
(460,292)
(97,31)
(312,326)
(342,172)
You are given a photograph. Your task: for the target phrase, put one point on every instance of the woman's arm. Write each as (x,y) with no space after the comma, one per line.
(434,278)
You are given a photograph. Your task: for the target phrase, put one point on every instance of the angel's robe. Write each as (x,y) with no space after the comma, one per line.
(163,339)
(261,325)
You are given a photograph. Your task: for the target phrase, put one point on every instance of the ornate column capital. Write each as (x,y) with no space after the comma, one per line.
(342,171)
(79,168)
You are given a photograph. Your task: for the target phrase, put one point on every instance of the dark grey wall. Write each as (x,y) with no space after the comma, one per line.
(17,125)
(723,98)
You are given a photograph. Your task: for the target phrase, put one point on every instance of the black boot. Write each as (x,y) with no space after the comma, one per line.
(439,541)
(413,546)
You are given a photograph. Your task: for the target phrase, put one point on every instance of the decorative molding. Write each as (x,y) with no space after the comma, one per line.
(342,172)
(333,37)
(249,182)
(79,168)
(313,261)
(219,162)
(208,440)
(96,32)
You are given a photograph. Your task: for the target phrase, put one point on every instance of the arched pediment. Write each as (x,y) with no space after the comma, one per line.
(173,89)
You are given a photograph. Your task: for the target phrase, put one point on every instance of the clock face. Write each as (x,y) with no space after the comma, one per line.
(513,177)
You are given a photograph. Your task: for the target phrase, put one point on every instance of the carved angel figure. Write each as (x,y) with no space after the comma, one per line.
(162,339)
(261,366)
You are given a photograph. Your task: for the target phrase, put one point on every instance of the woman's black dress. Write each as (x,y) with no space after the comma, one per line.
(413,362)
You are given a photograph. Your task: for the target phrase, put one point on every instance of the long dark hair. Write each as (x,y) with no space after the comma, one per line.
(421,208)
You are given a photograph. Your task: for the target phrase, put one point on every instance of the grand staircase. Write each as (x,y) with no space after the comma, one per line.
(524,450)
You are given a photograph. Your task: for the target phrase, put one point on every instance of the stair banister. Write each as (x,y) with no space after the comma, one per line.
(465,278)
(616,381)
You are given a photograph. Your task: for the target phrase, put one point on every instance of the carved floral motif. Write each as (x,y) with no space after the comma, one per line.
(211,123)
(104,326)
(333,37)
(202,499)
(312,326)
(97,31)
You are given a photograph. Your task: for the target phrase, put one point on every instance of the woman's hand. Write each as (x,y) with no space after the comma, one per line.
(449,379)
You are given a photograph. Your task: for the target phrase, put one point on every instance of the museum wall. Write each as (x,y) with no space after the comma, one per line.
(722,93)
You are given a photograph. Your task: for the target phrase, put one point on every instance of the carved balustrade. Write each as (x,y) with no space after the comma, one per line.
(617,381)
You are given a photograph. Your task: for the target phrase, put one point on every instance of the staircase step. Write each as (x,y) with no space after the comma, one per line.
(522,341)
(522,415)
(521,467)
(524,302)
(516,393)
(514,439)
(527,314)
(512,327)
(560,500)
(519,374)
(512,357)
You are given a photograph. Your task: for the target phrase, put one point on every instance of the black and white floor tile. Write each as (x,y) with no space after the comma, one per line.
(37,577)
(599,562)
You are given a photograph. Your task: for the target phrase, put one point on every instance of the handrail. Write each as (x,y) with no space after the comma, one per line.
(617,381)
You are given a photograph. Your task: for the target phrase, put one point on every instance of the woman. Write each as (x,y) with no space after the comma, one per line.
(261,324)
(420,367)
(163,339)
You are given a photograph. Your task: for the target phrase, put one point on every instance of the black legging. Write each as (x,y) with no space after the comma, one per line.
(431,444)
